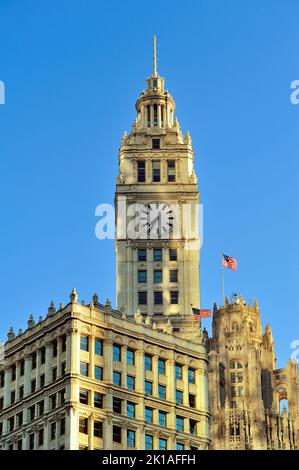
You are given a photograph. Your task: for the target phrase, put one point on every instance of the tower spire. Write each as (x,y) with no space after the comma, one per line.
(155,57)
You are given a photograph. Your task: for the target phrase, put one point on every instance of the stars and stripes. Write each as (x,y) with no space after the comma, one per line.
(229,262)
(199,313)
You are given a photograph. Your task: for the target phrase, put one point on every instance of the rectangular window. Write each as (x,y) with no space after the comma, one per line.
(141,254)
(33,385)
(63,368)
(83,397)
(84,369)
(53,401)
(63,343)
(33,363)
(42,380)
(162,391)
(173,275)
(116,434)
(98,347)
(55,348)
(41,437)
(162,443)
(31,441)
(155,144)
(180,446)
(130,382)
(98,373)
(148,415)
(158,276)
(142,298)
(192,425)
(191,376)
(83,425)
(191,400)
(21,392)
(158,298)
(117,405)
(173,255)
(148,442)
(233,391)
(20,419)
(148,362)
(178,372)
(62,396)
(42,356)
(117,378)
(130,357)
(84,343)
(179,397)
(158,254)
(130,438)
(162,418)
(116,353)
(179,423)
(174,297)
(54,374)
(148,387)
(13,395)
(22,366)
(53,431)
(98,429)
(98,400)
(141,171)
(161,366)
(142,277)
(171,171)
(62,426)
(130,409)
(156,171)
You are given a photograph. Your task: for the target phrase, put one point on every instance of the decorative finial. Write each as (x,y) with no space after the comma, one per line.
(11,335)
(95,299)
(155,56)
(51,309)
(74,296)
(31,322)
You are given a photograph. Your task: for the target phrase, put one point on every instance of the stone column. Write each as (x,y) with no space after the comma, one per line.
(27,375)
(38,366)
(90,432)
(48,365)
(139,371)
(108,365)
(124,367)
(152,115)
(155,375)
(59,348)
(107,433)
(7,384)
(17,386)
(186,386)
(124,437)
(159,115)
(170,392)
(91,356)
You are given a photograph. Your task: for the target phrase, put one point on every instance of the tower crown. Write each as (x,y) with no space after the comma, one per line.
(155,107)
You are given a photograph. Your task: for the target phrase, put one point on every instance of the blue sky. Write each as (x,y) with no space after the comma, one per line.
(73,71)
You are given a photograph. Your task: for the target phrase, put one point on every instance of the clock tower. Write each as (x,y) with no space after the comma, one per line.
(157,211)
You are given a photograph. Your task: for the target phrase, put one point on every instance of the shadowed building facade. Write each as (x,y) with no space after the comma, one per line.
(245,388)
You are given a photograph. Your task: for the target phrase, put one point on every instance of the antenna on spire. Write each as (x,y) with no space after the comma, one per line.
(155,56)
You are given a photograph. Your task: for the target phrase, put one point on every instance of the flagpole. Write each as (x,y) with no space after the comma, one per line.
(223,294)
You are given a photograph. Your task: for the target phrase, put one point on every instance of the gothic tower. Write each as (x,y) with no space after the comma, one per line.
(157,235)
(245,387)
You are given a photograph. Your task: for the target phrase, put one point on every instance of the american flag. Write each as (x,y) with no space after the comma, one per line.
(229,262)
(199,313)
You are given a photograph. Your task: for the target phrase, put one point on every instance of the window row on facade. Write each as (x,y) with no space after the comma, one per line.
(142,254)
(157,276)
(142,176)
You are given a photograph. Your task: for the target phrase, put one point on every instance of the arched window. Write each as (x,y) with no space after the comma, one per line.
(155,115)
(236,379)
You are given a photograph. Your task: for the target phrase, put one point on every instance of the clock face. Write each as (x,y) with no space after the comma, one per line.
(157,219)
